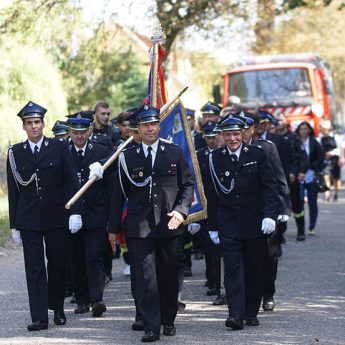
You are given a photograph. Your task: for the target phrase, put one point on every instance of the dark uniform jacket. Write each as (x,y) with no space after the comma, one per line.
(254,196)
(172,189)
(278,172)
(202,156)
(199,141)
(95,201)
(42,206)
(110,132)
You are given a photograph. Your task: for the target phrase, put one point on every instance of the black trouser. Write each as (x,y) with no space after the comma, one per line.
(213,262)
(269,273)
(107,257)
(45,292)
(87,264)
(156,269)
(297,206)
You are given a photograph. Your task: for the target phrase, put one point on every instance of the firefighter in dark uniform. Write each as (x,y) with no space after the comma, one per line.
(87,244)
(212,250)
(209,112)
(41,178)
(241,183)
(156,180)
(284,150)
(273,245)
(60,130)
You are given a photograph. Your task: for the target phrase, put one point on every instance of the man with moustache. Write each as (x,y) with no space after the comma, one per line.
(156,180)
(240,182)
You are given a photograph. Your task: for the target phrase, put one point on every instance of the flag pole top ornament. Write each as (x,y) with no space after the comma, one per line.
(158,35)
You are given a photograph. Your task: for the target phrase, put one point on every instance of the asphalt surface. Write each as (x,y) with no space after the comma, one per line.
(310,300)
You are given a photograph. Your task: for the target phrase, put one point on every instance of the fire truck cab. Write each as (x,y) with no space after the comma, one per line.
(300,86)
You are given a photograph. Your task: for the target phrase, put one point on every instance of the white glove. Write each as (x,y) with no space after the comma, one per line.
(283,218)
(268,226)
(193,228)
(214,236)
(17,239)
(75,223)
(96,169)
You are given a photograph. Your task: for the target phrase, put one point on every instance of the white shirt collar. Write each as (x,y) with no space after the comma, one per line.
(38,144)
(83,148)
(263,135)
(154,147)
(237,152)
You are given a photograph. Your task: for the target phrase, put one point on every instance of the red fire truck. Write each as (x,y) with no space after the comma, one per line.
(298,85)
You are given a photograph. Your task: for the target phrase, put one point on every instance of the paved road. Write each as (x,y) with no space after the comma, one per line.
(310,300)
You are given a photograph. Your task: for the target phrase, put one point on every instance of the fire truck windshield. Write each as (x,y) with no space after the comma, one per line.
(283,86)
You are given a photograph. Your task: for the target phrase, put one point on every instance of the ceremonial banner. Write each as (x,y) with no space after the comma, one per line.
(174,127)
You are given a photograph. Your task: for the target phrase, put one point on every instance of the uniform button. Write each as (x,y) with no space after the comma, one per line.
(154,183)
(50,163)
(81,169)
(153,172)
(38,179)
(236,173)
(39,188)
(82,180)
(83,201)
(155,206)
(237,196)
(40,198)
(155,195)
(37,169)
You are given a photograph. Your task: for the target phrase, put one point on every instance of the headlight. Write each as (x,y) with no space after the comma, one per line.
(317,109)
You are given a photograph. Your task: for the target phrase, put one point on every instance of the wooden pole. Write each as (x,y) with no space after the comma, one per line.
(112,158)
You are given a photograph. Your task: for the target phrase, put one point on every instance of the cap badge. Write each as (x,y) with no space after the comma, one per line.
(146,107)
(78,116)
(30,104)
(141,174)
(227,173)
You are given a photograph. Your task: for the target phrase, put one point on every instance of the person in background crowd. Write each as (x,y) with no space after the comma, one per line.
(240,182)
(311,163)
(101,126)
(124,127)
(60,130)
(332,153)
(295,191)
(212,249)
(41,178)
(209,112)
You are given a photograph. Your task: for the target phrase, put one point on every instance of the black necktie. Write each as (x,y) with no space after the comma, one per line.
(234,159)
(80,155)
(36,151)
(149,157)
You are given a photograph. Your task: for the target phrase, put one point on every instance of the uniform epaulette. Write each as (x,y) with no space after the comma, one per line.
(258,146)
(129,148)
(267,141)
(166,141)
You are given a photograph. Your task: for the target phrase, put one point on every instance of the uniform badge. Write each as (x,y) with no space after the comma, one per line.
(206,153)
(162,147)
(245,149)
(95,137)
(227,173)
(46,143)
(90,146)
(224,151)
(25,146)
(138,149)
(141,174)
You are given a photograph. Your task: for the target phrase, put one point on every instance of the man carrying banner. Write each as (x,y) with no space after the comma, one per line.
(155,178)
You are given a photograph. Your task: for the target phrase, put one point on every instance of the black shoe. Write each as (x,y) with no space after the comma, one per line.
(206,283)
(98,309)
(38,326)
(335,197)
(282,240)
(198,256)
(220,300)
(150,337)
(138,325)
(300,238)
(59,317)
(73,299)
(181,306)
(235,323)
(268,304)
(81,309)
(211,292)
(170,331)
(252,321)
(108,278)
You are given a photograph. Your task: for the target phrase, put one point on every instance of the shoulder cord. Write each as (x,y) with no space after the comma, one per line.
(16,175)
(122,163)
(215,178)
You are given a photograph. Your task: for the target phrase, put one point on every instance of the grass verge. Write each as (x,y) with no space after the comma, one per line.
(4,229)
